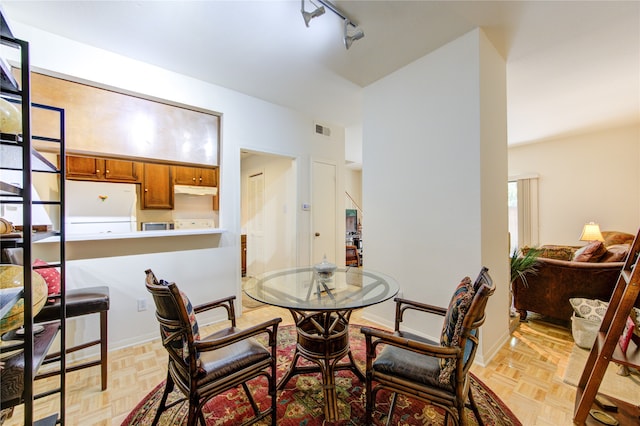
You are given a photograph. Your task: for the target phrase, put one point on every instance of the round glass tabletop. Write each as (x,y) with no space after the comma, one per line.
(305,289)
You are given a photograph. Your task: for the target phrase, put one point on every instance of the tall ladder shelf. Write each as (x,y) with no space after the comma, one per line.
(19,162)
(606,348)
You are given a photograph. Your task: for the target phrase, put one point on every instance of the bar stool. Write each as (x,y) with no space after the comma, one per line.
(79,302)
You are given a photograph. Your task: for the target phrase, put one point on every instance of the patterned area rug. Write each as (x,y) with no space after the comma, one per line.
(301,401)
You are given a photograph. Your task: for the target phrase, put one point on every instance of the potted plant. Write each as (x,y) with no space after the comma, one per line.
(523,263)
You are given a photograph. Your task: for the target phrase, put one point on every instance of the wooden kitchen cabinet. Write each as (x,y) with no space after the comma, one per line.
(102,169)
(157,187)
(184,175)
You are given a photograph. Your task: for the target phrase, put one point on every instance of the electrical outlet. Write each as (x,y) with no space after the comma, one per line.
(142,305)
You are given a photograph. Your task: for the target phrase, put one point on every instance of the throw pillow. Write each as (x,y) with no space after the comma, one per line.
(591,309)
(616,253)
(592,252)
(452,327)
(51,277)
(615,237)
(557,252)
(625,337)
(183,345)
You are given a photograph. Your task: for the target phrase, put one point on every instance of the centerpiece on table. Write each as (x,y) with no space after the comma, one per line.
(323,275)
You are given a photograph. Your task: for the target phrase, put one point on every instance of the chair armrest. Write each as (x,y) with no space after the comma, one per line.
(214,304)
(384,337)
(226,302)
(270,327)
(403,305)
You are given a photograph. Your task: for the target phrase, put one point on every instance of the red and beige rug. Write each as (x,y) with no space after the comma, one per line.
(300,403)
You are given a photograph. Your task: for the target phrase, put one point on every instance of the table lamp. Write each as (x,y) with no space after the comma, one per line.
(591,232)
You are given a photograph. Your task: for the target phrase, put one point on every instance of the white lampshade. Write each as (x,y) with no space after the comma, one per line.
(591,232)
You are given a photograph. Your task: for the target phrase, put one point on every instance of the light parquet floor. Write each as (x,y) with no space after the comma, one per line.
(526,374)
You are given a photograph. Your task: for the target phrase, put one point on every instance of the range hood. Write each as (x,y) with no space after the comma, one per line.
(195,190)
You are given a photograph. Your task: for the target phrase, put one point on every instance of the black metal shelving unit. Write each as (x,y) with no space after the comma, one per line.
(19,156)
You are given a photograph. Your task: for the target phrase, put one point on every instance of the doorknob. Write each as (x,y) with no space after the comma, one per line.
(317,234)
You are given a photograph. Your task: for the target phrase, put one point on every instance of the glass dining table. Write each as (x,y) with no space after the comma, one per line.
(321,304)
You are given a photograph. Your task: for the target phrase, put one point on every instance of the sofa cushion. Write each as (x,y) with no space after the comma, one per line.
(616,253)
(615,237)
(592,252)
(557,252)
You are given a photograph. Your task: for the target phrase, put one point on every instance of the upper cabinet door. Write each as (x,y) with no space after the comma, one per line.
(157,190)
(90,168)
(184,175)
(84,168)
(122,171)
(208,177)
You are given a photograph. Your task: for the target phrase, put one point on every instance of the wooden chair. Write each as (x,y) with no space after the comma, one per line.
(204,368)
(429,371)
(79,302)
(352,256)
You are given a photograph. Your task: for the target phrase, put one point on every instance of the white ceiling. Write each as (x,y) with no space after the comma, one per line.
(572,66)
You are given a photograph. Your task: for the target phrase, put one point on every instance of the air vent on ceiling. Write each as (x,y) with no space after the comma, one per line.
(322,130)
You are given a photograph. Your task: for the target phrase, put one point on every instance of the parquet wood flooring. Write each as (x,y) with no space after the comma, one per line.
(526,374)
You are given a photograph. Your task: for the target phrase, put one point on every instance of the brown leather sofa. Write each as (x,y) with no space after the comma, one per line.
(559,278)
(548,291)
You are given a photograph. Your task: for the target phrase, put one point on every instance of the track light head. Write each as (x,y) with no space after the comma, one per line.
(308,16)
(356,34)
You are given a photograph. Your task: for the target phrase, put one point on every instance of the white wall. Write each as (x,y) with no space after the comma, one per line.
(213,269)
(434,180)
(591,177)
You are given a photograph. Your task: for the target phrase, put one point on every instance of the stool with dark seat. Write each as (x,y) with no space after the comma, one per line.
(79,302)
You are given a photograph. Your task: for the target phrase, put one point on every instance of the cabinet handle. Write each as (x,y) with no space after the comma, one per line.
(97,170)
(107,171)
(146,190)
(200,179)
(194,179)
(317,234)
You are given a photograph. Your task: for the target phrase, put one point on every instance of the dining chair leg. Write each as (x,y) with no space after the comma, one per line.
(256,409)
(462,419)
(168,388)
(274,397)
(391,408)
(193,412)
(104,364)
(368,403)
(474,408)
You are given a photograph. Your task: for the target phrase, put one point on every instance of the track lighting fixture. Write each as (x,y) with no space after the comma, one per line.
(350,37)
(308,16)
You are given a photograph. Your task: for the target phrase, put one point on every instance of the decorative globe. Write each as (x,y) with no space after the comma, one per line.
(10,118)
(12,276)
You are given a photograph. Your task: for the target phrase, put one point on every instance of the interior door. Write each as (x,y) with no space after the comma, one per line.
(255,225)
(323,208)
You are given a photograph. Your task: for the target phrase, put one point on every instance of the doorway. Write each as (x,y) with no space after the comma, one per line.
(268,197)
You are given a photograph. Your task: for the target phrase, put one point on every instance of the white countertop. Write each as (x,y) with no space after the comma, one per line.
(136,234)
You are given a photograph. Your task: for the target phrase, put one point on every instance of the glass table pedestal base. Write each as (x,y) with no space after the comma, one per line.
(323,339)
